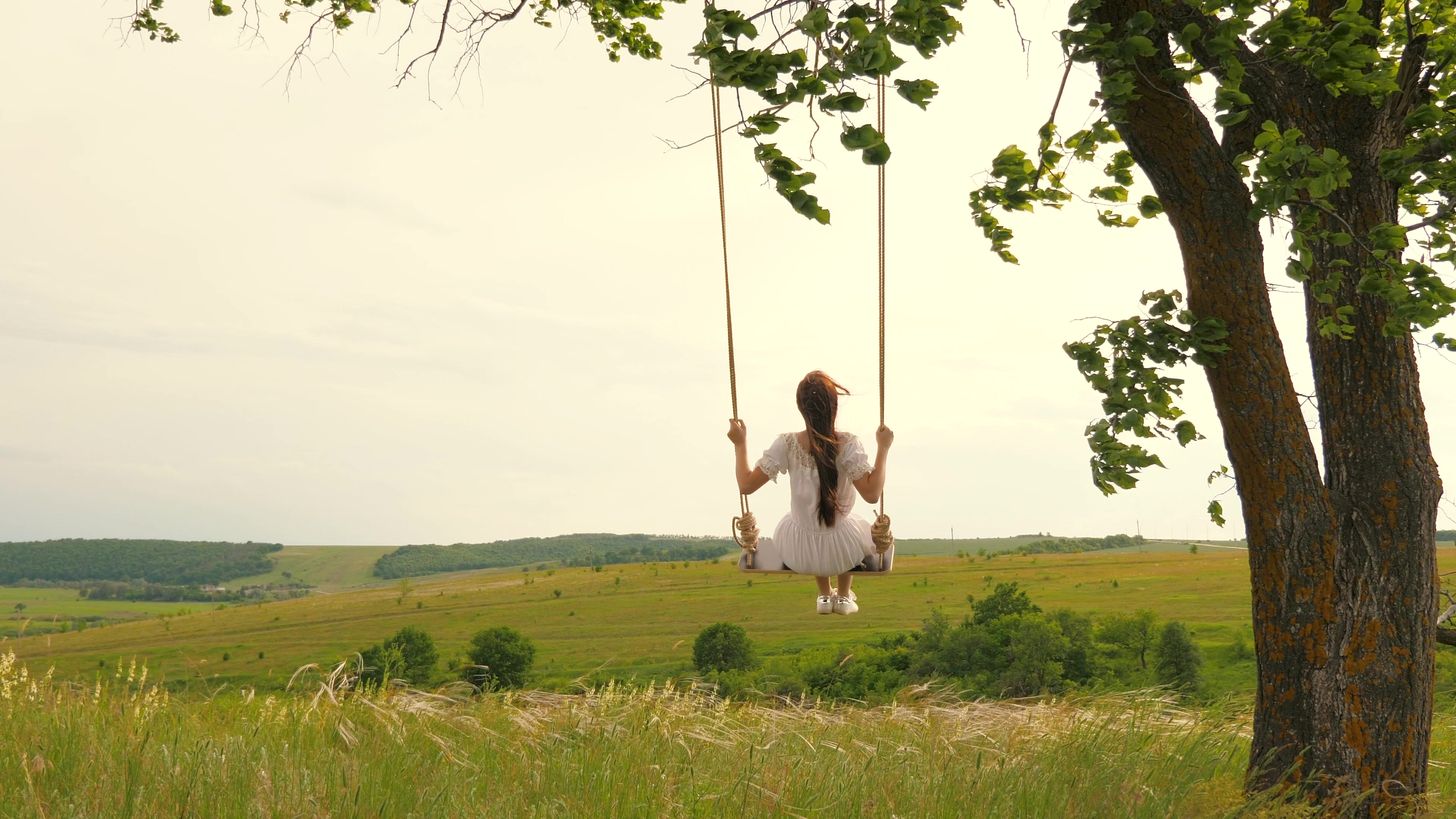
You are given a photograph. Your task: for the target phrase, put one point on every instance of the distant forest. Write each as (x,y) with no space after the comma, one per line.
(570,550)
(1446,534)
(1075,545)
(172,562)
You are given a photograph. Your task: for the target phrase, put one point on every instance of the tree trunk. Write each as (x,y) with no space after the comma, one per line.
(1385,487)
(1342,565)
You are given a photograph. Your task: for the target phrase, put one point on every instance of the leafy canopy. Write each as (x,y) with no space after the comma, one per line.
(821,58)
(1394,57)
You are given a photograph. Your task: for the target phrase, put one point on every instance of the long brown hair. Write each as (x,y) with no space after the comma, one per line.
(818,400)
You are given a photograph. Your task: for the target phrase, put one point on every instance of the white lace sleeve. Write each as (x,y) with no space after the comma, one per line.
(775,460)
(853,462)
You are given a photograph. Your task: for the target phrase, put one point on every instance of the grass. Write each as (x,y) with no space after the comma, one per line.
(640,620)
(46,609)
(122,747)
(329,568)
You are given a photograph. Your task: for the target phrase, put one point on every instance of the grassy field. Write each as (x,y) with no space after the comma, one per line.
(942,547)
(641,619)
(329,568)
(46,609)
(121,747)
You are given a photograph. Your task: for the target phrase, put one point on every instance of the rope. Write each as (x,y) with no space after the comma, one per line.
(723,225)
(880,533)
(744,527)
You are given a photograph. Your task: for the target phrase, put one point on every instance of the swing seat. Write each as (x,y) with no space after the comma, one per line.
(767,561)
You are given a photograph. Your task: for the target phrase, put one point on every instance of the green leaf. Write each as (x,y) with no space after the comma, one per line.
(877,154)
(918,92)
(860,138)
(815,22)
(846,101)
(1186,433)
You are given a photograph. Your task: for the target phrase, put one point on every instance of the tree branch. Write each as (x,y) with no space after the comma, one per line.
(783,4)
(439,41)
(1411,80)
(1262,78)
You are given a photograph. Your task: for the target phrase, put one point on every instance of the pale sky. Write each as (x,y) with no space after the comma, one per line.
(349,314)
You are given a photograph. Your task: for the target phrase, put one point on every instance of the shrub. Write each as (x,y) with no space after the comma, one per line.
(722,647)
(1006,600)
(1180,664)
(409,655)
(1132,633)
(500,657)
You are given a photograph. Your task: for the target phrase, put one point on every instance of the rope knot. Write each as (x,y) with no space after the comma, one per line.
(746,532)
(880,533)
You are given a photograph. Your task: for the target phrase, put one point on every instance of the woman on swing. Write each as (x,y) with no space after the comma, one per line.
(819,536)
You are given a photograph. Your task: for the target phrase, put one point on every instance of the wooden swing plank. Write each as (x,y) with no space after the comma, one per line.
(858,571)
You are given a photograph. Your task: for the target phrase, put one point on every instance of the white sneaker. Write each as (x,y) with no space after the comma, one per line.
(845,605)
(825,604)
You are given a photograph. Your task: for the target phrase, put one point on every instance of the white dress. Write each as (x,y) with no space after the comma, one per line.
(801,541)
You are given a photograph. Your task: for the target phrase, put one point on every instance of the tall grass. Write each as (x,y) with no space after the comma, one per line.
(122,747)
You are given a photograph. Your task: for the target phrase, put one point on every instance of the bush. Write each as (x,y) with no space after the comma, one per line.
(1180,664)
(409,655)
(500,657)
(722,647)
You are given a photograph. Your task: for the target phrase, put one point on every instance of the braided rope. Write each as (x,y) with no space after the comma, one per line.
(744,527)
(880,532)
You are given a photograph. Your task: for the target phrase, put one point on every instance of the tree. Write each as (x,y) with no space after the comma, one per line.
(1180,664)
(1033,649)
(1006,600)
(722,647)
(500,657)
(1133,633)
(1331,117)
(1079,661)
(409,655)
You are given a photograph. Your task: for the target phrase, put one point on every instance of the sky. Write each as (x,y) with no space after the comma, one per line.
(326,310)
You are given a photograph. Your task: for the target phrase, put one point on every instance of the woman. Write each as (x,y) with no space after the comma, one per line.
(819,536)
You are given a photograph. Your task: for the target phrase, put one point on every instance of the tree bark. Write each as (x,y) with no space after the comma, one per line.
(1342,564)
(1383,481)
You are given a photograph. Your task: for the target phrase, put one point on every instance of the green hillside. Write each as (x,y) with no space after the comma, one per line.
(639,619)
(574,550)
(328,568)
(927,547)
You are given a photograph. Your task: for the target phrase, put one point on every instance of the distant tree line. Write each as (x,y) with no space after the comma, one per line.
(1074,545)
(171,562)
(165,593)
(653,554)
(1446,534)
(570,550)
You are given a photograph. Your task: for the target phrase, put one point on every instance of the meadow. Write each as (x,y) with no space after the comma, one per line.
(234,710)
(638,621)
(123,747)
